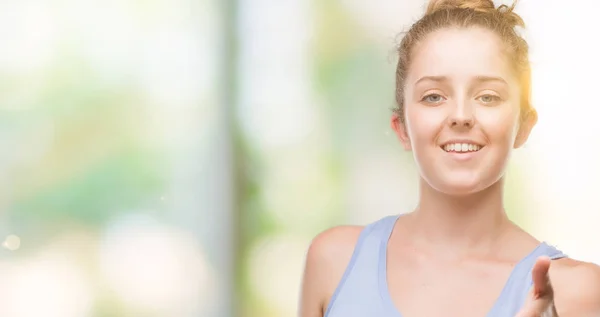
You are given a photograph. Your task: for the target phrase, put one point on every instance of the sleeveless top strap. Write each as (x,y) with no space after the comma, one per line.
(515,292)
(359,281)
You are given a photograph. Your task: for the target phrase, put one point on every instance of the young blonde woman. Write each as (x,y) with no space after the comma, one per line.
(463,104)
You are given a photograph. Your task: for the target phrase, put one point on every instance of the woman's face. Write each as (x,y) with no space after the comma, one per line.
(461,110)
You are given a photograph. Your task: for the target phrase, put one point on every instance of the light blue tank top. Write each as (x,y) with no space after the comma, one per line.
(363,290)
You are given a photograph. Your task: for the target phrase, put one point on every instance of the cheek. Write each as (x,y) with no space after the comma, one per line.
(499,126)
(423,126)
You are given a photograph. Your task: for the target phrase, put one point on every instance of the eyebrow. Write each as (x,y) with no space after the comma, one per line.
(432,78)
(478,79)
(483,79)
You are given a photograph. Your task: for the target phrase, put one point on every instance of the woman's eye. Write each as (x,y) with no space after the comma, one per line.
(489,98)
(433,98)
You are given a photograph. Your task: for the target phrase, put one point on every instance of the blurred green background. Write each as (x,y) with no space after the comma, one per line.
(175,157)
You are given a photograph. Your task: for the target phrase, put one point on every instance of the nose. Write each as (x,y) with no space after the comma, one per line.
(462,122)
(462,117)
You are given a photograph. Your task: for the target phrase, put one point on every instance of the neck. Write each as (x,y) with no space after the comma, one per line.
(460,223)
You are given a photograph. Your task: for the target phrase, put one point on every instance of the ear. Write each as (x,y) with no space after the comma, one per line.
(527,123)
(400,129)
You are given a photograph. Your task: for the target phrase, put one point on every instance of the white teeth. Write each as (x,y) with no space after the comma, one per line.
(461,147)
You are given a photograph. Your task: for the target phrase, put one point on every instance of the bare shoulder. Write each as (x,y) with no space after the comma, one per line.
(331,244)
(330,252)
(576,287)
(326,261)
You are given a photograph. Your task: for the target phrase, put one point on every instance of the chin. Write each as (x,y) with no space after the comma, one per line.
(460,186)
(459,189)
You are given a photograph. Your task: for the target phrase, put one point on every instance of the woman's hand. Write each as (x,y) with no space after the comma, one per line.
(540,302)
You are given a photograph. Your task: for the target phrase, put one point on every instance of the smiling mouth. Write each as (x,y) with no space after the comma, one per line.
(461,147)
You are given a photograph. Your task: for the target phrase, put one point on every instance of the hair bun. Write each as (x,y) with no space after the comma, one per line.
(486,6)
(477,5)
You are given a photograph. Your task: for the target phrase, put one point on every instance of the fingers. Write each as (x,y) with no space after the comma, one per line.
(539,308)
(526,313)
(541,299)
(541,278)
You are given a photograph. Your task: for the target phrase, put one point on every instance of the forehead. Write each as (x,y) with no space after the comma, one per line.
(464,52)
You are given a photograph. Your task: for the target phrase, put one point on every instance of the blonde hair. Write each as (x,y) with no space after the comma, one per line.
(442,14)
